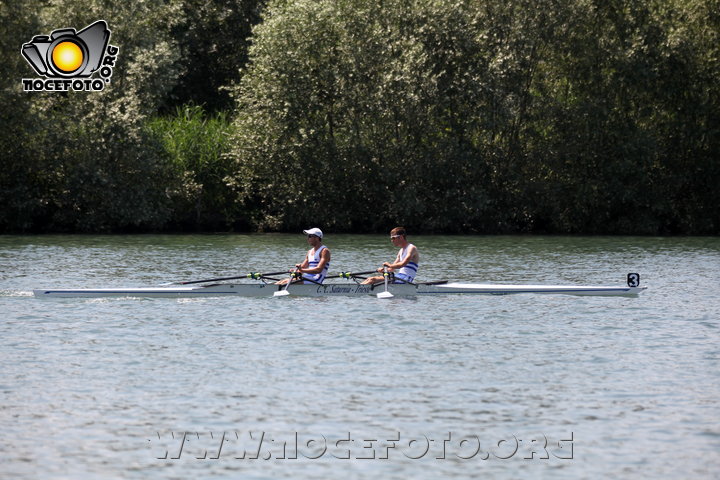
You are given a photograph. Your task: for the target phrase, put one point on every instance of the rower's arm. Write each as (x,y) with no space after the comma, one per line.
(388,265)
(324,259)
(411,256)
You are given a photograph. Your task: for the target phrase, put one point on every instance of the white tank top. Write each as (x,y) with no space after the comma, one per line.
(313,258)
(409,271)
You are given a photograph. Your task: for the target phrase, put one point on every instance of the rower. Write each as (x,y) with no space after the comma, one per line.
(315,267)
(406,262)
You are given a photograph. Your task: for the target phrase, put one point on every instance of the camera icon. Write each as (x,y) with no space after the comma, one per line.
(67,53)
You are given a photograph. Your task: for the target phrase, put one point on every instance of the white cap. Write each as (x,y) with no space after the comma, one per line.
(314,231)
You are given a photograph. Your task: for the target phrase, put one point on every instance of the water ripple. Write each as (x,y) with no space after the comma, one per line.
(96,388)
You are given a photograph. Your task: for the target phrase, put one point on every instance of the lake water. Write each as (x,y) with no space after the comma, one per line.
(435,387)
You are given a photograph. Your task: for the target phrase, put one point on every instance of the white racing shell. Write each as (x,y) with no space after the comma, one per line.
(339,289)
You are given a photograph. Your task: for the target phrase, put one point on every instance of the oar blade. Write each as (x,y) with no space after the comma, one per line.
(281,293)
(385,294)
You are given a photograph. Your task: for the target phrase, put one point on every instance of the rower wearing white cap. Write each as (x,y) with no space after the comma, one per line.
(317,261)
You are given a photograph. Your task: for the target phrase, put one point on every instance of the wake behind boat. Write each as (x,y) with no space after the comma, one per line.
(345,289)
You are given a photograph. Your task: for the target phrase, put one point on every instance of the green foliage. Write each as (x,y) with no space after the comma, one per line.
(627,109)
(22,183)
(87,162)
(213,38)
(195,145)
(352,116)
(582,116)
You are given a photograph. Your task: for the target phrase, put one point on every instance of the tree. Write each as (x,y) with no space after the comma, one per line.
(88,163)
(22,180)
(212,37)
(357,115)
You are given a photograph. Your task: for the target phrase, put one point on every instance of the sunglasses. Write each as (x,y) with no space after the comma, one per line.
(311,236)
(393,237)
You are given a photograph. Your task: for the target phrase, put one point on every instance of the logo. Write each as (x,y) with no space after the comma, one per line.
(67,59)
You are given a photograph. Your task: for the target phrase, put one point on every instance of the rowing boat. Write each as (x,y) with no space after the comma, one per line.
(340,289)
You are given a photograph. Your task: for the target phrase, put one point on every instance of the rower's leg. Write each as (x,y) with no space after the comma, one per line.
(373,280)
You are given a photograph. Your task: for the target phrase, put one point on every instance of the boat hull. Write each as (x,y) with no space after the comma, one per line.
(331,290)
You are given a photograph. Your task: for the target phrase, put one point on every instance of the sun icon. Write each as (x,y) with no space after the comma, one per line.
(67,56)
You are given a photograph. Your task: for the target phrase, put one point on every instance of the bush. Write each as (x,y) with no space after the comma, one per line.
(194,145)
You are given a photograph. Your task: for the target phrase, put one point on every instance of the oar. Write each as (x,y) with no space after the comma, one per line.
(284,291)
(253,275)
(350,274)
(258,276)
(385,294)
